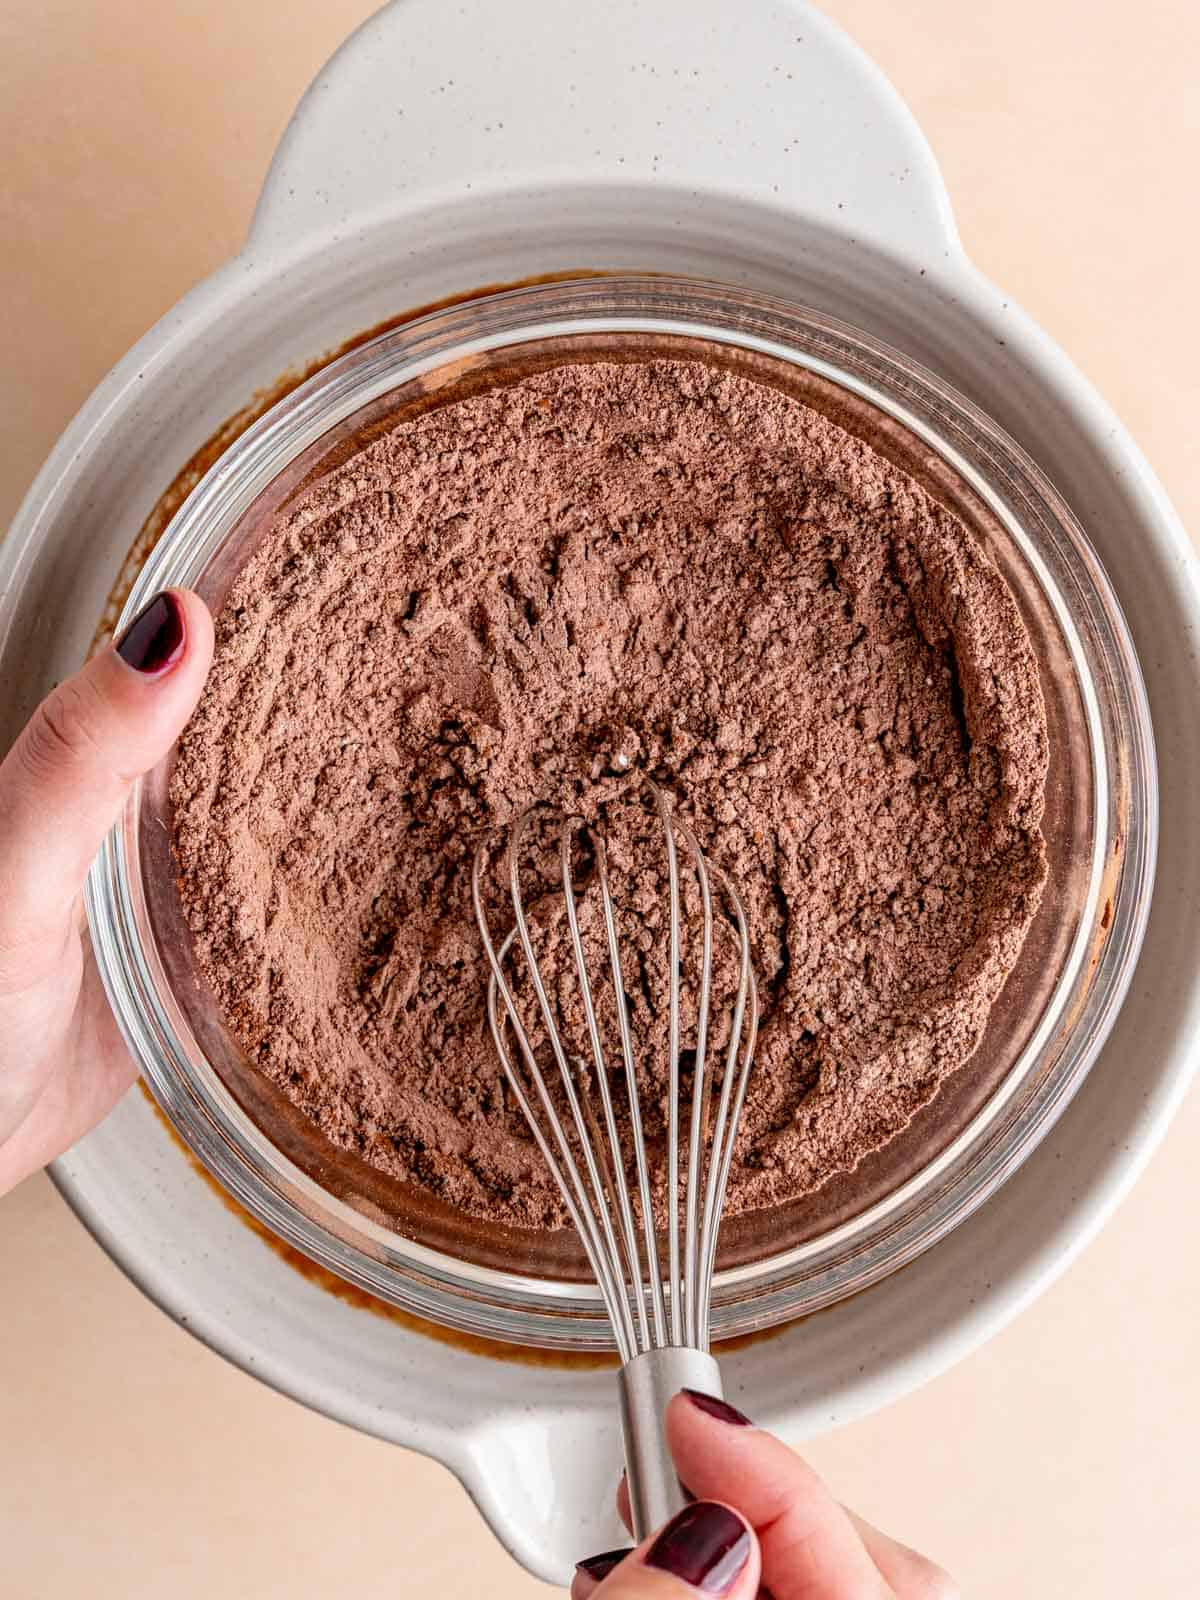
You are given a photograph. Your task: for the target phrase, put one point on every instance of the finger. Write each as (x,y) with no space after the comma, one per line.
(707,1549)
(912,1575)
(905,1569)
(810,1548)
(592,1571)
(63,783)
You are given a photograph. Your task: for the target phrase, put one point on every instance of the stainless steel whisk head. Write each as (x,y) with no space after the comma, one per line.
(659,1310)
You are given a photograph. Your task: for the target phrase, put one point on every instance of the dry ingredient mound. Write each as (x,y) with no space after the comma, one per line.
(487,606)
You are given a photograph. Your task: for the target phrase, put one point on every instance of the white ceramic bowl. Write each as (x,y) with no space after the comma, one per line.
(567,139)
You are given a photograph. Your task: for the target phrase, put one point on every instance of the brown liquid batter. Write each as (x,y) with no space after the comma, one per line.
(484,607)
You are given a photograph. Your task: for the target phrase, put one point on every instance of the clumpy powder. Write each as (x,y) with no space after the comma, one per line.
(503,600)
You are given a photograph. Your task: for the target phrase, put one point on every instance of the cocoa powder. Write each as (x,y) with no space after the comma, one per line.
(662,562)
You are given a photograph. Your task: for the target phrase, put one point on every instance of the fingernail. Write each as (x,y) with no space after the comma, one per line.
(153,641)
(706,1545)
(598,1567)
(720,1409)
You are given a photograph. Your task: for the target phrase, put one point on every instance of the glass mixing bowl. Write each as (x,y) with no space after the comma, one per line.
(1049,1022)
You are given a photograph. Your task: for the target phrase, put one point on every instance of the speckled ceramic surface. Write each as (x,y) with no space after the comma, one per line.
(448,146)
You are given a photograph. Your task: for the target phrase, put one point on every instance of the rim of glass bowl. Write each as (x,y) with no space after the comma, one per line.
(509,1306)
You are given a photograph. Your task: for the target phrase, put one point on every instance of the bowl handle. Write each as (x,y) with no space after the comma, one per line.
(766,101)
(544,1477)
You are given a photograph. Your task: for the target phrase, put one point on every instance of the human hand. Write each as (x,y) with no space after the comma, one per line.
(787,1533)
(63,1063)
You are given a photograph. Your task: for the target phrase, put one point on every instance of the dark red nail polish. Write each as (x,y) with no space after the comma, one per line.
(721,1409)
(599,1567)
(154,639)
(706,1545)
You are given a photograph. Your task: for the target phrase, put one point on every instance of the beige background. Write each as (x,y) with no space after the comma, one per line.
(1058,1462)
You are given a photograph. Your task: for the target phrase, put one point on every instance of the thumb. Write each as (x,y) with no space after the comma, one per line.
(705,1549)
(64,782)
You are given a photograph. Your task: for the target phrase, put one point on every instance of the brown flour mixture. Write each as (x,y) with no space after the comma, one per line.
(484,608)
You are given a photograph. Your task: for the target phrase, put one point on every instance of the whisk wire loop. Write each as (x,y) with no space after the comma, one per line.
(693,1260)
(616,1172)
(587,1145)
(641,1158)
(563,1167)
(677,1320)
(729,1106)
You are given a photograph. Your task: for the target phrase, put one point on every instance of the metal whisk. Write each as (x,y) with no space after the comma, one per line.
(660,1319)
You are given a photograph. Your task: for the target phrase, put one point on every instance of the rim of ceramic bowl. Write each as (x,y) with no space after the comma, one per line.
(1092,981)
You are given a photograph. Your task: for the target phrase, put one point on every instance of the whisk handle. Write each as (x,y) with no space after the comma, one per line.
(648,1383)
